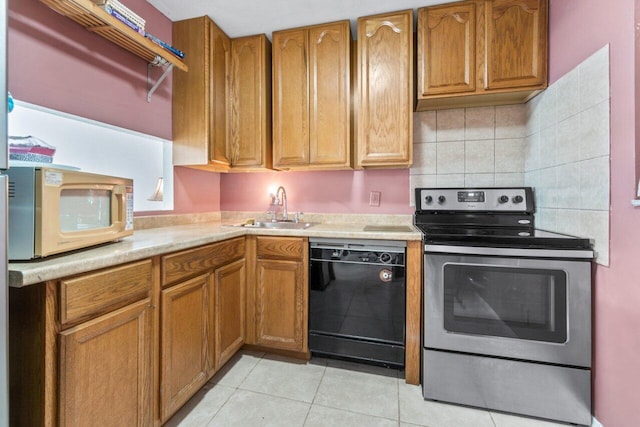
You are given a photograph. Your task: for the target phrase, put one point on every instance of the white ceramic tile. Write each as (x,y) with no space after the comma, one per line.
(450,180)
(479,156)
(594,79)
(594,184)
(548,152)
(547,194)
(595,225)
(248,409)
(424,126)
(273,375)
(533,114)
(548,108)
(546,219)
(202,407)
(532,152)
(507,420)
(450,157)
(509,179)
(594,131)
(424,159)
(532,179)
(236,370)
(510,155)
(568,140)
(568,95)
(480,123)
(360,392)
(511,121)
(479,180)
(568,222)
(321,416)
(414,409)
(450,125)
(568,186)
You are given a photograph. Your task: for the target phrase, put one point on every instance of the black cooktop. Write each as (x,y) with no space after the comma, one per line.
(508,238)
(493,217)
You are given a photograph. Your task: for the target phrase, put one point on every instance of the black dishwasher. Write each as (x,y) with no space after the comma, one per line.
(357,300)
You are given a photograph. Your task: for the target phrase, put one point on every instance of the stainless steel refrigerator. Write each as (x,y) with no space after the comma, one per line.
(4,280)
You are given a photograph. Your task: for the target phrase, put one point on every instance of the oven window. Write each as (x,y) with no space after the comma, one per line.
(509,302)
(84,209)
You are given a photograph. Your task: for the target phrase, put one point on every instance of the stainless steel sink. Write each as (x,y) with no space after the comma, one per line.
(288,225)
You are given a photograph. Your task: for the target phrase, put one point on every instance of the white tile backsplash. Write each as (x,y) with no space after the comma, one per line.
(511,121)
(594,131)
(509,155)
(557,143)
(450,125)
(480,123)
(479,156)
(450,157)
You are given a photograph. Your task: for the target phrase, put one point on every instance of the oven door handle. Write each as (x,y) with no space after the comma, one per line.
(511,252)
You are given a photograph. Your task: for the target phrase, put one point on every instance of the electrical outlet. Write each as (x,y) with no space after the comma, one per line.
(374,198)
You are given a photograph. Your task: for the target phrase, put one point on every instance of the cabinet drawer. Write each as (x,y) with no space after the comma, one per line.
(189,263)
(280,247)
(96,293)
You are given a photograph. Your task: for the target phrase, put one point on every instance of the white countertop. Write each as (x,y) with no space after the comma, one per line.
(157,241)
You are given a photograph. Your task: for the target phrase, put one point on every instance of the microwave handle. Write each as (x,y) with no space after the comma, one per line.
(117,206)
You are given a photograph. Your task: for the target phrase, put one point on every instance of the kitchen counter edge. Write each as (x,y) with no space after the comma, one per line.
(163,240)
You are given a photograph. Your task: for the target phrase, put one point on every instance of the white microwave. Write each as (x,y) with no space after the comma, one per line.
(54,210)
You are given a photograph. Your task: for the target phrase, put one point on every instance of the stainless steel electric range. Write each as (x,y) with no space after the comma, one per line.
(507,307)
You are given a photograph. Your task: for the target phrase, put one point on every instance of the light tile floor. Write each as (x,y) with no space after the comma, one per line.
(255,389)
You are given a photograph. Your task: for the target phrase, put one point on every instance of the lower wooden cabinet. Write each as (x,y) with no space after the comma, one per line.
(229,312)
(105,370)
(202,318)
(186,341)
(278,294)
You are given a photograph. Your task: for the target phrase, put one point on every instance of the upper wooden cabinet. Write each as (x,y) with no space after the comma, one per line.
(312,97)
(385,88)
(199,97)
(481,52)
(222,110)
(249,140)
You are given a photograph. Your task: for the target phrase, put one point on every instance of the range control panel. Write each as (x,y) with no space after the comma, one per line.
(504,199)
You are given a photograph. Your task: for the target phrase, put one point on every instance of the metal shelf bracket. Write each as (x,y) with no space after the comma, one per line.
(159,62)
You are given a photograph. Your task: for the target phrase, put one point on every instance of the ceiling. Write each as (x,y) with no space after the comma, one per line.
(247,17)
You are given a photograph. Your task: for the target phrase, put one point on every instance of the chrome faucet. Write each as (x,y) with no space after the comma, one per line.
(283,202)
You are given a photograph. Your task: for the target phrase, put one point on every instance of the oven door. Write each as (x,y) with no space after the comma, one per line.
(521,307)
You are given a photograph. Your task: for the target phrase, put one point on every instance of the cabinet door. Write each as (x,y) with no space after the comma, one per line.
(516,43)
(329,95)
(447,49)
(105,370)
(385,82)
(199,96)
(250,102)
(220,50)
(290,99)
(185,338)
(230,283)
(280,305)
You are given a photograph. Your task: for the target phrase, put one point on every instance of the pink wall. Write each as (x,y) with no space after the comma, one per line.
(579,28)
(319,192)
(55,63)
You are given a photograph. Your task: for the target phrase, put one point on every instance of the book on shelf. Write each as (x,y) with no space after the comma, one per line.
(124,19)
(122,10)
(167,46)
